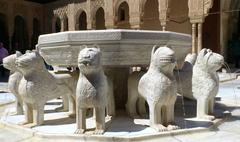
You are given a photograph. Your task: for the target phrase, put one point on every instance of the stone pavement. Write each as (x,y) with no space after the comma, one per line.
(228,100)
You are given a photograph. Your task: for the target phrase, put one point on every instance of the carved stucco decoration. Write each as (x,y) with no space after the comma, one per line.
(198,10)
(95,4)
(61,12)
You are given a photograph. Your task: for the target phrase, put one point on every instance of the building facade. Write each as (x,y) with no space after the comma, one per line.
(211,22)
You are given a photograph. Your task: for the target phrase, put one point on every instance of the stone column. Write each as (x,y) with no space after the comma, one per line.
(109,14)
(198,10)
(62,24)
(71,17)
(163,8)
(199,37)
(134,12)
(89,15)
(194,38)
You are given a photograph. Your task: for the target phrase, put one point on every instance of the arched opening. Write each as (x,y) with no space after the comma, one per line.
(178,19)
(3,31)
(150,19)
(123,16)
(36,32)
(58,25)
(20,35)
(65,23)
(82,21)
(211,29)
(100,19)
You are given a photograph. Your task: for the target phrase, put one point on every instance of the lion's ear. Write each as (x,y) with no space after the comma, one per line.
(201,55)
(155,47)
(18,53)
(28,51)
(97,47)
(84,46)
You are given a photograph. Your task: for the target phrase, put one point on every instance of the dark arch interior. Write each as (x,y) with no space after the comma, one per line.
(20,36)
(3,31)
(100,19)
(83,21)
(58,25)
(36,32)
(151,15)
(123,12)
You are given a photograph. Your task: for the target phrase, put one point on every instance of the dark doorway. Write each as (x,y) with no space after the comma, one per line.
(20,36)
(3,31)
(100,19)
(36,32)
(58,25)
(151,16)
(83,21)
(211,28)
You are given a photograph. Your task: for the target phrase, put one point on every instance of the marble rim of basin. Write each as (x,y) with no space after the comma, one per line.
(119,47)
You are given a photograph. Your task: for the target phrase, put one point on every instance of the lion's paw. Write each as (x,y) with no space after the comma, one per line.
(172,127)
(31,125)
(98,132)
(159,128)
(79,131)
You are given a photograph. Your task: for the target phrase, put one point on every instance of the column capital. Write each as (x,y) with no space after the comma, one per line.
(198,10)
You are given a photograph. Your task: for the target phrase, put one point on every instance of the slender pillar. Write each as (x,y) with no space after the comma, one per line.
(199,37)
(10,43)
(163,24)
(193,38)
(163,28)
(62,24)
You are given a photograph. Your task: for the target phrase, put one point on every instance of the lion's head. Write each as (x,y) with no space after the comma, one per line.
(89,59)
(209,60)
(162,58)
(9,61)
(30,62)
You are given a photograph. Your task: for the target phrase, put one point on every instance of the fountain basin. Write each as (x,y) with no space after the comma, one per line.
(119,47)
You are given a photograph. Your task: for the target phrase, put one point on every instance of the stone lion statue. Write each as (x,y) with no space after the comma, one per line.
(14,79)
(205,82)
(158,88)
(92,89)
(37,86)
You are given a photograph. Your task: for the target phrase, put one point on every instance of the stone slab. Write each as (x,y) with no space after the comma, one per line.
(119,47)
(122,127)
(6,98)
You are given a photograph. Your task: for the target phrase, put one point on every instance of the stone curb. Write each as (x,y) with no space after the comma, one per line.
(145,137)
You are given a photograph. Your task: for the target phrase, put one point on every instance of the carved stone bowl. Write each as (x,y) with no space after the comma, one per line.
(119,47)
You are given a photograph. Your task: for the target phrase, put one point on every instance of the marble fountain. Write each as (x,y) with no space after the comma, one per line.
(121,50)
